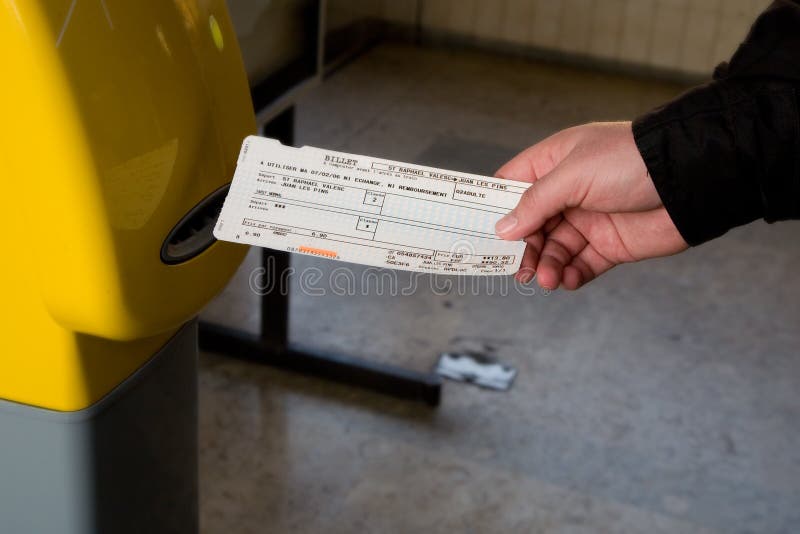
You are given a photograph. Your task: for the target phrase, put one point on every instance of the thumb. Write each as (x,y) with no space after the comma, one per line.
(545,198)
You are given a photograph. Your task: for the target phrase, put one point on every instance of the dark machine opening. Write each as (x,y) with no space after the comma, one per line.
(194,233)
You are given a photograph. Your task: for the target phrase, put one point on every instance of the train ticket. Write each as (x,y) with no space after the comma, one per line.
(369,210)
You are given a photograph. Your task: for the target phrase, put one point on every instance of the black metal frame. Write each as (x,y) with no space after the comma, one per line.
(266,91)
(271,346)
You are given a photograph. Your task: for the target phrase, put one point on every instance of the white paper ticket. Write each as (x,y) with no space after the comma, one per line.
(368,210)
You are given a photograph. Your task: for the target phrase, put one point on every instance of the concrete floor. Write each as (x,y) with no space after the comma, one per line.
(661,398)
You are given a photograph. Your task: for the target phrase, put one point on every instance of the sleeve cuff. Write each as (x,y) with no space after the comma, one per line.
(690,149)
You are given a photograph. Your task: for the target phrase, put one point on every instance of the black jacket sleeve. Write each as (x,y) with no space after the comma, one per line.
(727,153)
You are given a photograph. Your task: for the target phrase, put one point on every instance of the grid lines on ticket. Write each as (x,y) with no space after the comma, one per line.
(368,210)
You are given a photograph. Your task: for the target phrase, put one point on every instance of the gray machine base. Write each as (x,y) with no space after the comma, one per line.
(126,464)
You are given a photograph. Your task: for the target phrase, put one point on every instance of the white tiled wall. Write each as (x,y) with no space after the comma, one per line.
(689,36)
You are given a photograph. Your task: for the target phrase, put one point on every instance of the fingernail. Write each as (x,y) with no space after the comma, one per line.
(526,277)
(506,224)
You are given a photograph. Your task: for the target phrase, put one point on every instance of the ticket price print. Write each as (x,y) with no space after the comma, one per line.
(369,210)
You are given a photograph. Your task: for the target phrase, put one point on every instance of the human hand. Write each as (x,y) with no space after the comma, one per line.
(591,205)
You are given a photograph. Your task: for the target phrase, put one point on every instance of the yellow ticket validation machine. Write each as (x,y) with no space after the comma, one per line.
(121,123)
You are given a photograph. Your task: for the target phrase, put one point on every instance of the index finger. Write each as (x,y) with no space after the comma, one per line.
(537,160)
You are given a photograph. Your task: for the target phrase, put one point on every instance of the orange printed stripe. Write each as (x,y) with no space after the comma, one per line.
(319,252)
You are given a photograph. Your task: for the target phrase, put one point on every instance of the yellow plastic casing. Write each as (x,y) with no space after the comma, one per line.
(118,117)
